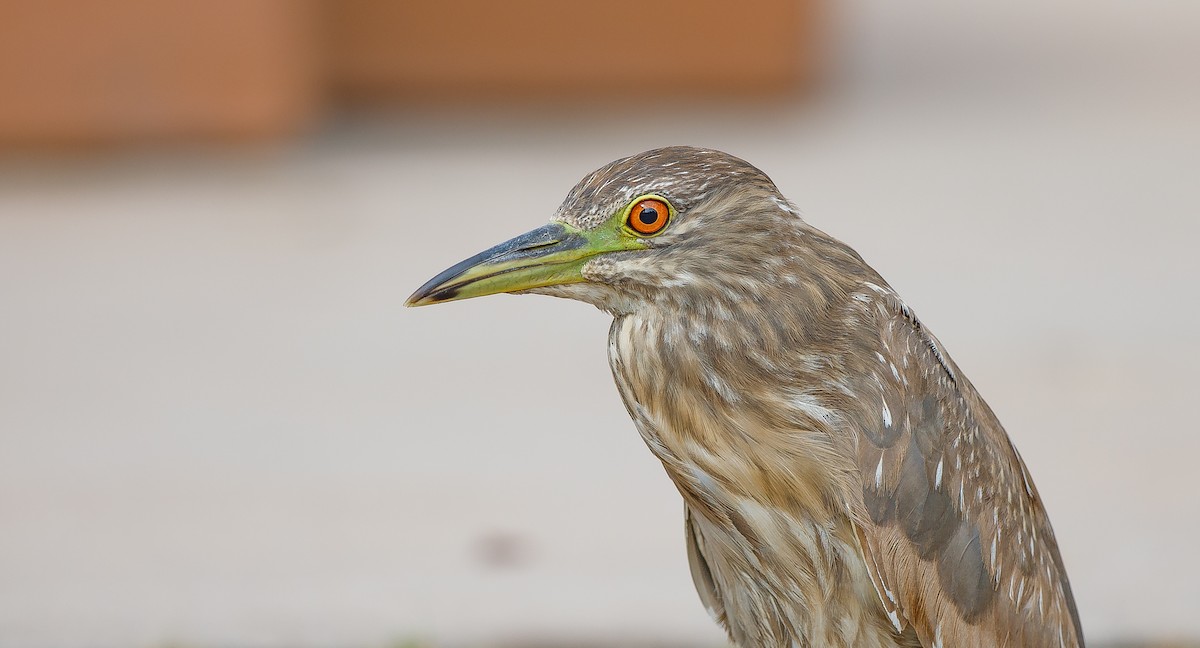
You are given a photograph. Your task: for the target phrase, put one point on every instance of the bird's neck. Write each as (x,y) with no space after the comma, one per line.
(727,394)
(744,427)
(750,369)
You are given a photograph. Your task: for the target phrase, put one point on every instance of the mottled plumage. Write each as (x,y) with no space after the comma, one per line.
(844,483)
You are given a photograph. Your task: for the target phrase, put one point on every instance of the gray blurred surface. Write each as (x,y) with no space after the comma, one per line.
(219,426)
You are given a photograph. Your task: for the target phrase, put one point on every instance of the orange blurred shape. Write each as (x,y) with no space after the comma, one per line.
(84,72)
(439,48)
(93,72)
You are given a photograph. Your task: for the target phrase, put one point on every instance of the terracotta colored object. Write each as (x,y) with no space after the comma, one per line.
(76,72)
(436,48)
(86,72)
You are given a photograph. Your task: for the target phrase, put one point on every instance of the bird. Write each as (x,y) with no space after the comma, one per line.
(844,483)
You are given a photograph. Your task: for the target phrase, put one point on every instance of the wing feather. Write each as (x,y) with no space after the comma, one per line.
(954,533)
(702,574)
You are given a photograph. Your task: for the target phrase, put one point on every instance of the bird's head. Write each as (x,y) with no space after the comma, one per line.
(664,225)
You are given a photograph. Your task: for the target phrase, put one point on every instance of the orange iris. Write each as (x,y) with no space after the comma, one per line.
(649,216)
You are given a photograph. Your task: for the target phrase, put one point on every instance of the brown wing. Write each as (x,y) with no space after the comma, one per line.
(955,536)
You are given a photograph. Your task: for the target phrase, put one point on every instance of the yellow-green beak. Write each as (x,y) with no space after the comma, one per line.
(547,256)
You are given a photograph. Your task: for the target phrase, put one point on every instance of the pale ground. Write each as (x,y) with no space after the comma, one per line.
(219,425)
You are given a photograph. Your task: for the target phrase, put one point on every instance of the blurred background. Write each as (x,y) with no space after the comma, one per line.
(220,427)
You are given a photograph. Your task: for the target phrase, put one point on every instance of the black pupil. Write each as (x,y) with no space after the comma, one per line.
(648,216)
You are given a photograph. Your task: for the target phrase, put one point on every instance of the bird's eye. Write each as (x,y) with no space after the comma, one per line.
(649,216)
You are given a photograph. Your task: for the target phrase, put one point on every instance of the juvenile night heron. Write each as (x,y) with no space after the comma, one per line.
(844,483)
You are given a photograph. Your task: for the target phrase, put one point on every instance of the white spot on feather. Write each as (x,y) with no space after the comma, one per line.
(783,205)
(1025,477)
(937,478)
(808,404)
(887,416)
(879,473)
(876,288)
(677,279)
(720,387)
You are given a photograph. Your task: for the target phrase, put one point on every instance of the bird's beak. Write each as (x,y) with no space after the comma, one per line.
(549,255)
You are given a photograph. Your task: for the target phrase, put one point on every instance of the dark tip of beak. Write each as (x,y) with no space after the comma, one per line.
(529,245)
